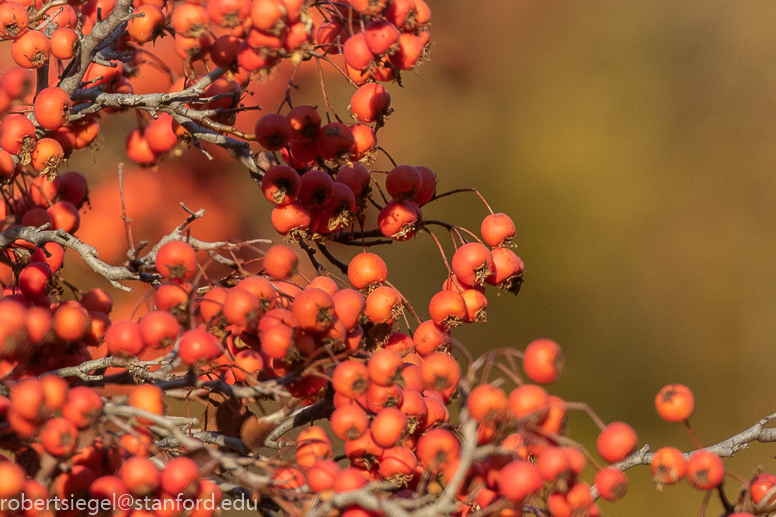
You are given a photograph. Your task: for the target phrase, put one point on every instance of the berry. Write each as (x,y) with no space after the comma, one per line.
(543,360)
(705,470)
(675,403)
(616,441)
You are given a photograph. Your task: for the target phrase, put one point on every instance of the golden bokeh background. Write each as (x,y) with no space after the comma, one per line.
(633,145)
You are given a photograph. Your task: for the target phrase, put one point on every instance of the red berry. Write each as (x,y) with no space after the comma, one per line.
(543,360)
(616,441)
(518,480)
(497,230)
(705,470)
(273,131)
(668,466)
(675,403)
(176,261)
(612,484)
(371,102)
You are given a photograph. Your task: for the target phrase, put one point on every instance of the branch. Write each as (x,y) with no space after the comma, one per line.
(165,421)
(365,498)
(240,151)
(148,101)
(88,253)
(173,103)
(446,503)
(113,274)
(104,34)
(331,258)
(351,236)
(724,449)
(136,367)
(320,410)
(208,437)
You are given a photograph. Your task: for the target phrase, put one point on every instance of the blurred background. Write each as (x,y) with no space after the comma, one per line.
(633,145)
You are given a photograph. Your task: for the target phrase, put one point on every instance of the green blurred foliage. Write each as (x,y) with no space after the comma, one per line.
(633,144)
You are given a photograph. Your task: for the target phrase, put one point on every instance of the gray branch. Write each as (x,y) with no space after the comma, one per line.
(136,367)
(211,438)
(724,449)
(141,269)
(148,101)
(165,421)
(88,253)
(104,34)
(320,410)
(173,103)
(240,151)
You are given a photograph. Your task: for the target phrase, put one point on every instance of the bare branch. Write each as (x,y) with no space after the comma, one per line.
(209,437)
(105,34)
(724,449)
(88,253)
